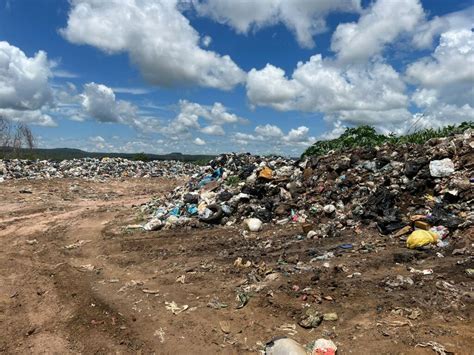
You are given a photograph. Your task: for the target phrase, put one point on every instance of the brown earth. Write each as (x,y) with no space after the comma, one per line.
(109,294)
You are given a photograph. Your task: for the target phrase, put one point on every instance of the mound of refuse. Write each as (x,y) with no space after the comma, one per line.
(395,188)
(92,168)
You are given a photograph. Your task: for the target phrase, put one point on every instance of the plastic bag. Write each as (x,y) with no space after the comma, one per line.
(421,238)
(441,168)
(266,173)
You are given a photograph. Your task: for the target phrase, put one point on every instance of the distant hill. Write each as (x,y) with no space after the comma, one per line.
(69,153)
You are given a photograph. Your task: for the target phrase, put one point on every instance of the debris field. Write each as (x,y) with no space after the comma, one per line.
(365,251)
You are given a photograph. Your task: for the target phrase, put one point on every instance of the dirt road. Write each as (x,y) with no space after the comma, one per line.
(74,280)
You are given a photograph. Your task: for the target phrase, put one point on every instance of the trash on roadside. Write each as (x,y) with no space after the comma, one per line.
(253,224)
(422,272)
(225,326)
(437,347)
(174,308)
(284,346)
(242,299)
(310,318)
(330,316)
(216,304)
(77,244)
(441,168)
(420,238)
(324,347)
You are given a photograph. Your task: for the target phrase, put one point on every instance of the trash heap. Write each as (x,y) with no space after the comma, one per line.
(92,168)
(395,188)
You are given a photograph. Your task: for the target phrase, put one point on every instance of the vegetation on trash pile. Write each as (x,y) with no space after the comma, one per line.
(367,136)
(232,180)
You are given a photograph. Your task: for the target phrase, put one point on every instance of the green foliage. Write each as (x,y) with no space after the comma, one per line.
(201,162)
(232,180)
(366,136)
(141,157)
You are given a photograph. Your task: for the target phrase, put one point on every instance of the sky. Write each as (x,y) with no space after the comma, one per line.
(212,76)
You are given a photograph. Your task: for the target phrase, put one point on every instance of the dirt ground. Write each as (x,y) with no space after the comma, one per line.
(74,280)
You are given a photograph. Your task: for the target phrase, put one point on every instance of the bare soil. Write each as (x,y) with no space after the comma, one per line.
(109,293)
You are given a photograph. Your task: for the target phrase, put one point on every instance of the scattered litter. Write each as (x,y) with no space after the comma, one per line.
(324,347)
(225,326)
(216,304)
(253,224)
(77,244)
(441,168)
(330,316)
(181,279)
(175,309)
(242,299)
(437,347)
(420,238)
(288,328)
(130,284)
(239,264)
(161,334)
(87,267)
(310,318)
(284,346)
(411,313)
(423,272)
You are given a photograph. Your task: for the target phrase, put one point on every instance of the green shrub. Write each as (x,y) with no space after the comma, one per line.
(232,180)
(141,157)
(367,136)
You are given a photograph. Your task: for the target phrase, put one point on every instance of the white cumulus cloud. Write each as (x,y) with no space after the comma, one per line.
(427,31)
(379,25)
(36,117)
(273,136)
(24,88)
(157,37)
(445,79)
(451,63)
(305,18)
(190,112)
(199,141)
(357,94)
(99,102)
(213,130)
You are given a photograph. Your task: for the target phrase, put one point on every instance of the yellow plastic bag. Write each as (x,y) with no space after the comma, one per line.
(421,238)
(266,173)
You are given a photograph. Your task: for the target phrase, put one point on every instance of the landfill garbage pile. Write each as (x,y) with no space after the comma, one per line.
(92,168)
(395,188)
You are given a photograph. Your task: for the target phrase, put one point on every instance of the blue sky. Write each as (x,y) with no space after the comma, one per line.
(208,76)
